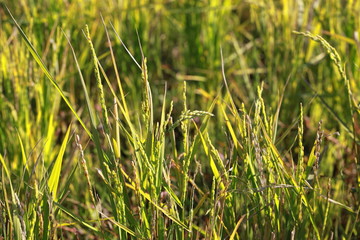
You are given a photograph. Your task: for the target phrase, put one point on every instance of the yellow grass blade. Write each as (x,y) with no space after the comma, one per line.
(53,181)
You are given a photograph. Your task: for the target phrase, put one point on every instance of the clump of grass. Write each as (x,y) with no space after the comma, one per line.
(220,154)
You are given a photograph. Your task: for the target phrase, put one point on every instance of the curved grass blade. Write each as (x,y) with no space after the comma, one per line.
(87,98)
(123,227)
(77,219)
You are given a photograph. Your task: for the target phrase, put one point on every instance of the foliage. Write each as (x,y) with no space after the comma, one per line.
(217,119)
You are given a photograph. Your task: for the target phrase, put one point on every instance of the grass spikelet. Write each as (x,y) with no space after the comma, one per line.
(183,122)
(146,94)
(85,169)
(319,138)
(187,115)
(98,80)
(300,167)
(335,57)
(327,207)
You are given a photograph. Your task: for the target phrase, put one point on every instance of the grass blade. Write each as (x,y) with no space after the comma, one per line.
(53,181)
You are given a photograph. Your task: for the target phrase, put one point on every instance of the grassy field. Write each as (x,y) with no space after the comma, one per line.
(212,119)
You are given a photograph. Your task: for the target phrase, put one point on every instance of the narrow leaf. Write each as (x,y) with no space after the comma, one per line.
(53,181)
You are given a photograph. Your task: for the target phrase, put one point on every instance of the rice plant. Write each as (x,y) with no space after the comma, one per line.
(217,119)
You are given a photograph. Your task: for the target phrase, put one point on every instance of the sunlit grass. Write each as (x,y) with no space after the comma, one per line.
(179,120)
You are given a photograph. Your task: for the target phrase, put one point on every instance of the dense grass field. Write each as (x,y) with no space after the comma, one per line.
(211,119)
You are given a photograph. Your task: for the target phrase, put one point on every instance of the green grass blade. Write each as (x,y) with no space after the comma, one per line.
(53,181)
(23,154)
(78,219)
(87,98)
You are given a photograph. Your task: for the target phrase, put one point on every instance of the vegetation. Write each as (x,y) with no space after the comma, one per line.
(216,119)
